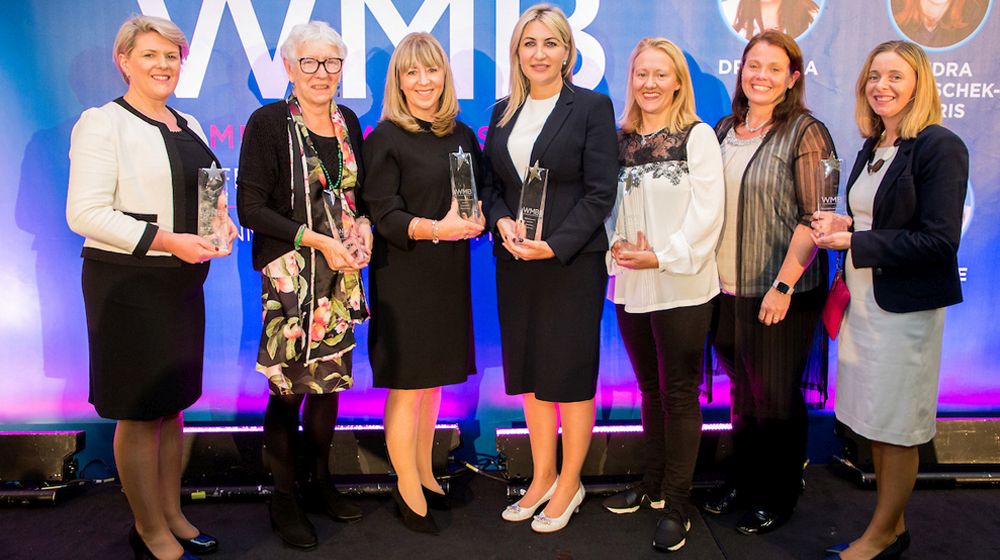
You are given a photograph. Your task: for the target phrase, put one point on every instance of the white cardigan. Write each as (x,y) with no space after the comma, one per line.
(684,214)
(121,188)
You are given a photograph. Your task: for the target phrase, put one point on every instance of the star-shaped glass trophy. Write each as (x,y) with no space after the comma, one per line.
(632,211)
(531,209)
(213,206)
(463,184)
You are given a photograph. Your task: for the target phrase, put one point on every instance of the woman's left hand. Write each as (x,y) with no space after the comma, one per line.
(529,249)
(774,307)
(364,229)
(839,241)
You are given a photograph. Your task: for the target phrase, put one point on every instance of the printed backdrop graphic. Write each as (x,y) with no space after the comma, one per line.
(56,62)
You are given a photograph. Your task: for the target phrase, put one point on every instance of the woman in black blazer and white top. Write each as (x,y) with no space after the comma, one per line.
(905,197)
(550,290)
(133,193)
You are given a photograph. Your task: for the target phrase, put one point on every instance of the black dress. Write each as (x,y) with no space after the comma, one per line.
(146,324)
(421,324)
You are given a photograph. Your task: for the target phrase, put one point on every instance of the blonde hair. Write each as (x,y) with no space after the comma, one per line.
(553,18)
(926,103)
(425,50)
(137,25)
(681,112)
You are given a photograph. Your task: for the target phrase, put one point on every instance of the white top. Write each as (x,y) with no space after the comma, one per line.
(683,202)
(529,125)
(736,156)
(119,164)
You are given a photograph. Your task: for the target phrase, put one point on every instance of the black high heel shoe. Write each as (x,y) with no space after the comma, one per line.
(199,546)
(895,549)
(440,502)
(903,538)
(141,551)
(412,521)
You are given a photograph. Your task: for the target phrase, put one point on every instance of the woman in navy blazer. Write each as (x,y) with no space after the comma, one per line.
(905,199)
(550,289)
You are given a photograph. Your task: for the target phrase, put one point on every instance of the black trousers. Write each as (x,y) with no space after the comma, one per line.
(768,451)
(666,349)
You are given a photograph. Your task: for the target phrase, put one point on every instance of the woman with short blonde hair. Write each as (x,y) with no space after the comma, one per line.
(905,199)
(424,50)
(421,334)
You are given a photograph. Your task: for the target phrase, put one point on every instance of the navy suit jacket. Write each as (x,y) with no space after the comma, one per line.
(916,222)
(579,146)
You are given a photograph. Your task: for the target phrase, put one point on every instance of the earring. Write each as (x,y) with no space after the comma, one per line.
(564,62)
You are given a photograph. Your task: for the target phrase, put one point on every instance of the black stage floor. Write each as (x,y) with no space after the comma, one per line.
(962,523)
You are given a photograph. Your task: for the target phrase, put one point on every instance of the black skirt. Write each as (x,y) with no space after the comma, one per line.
(550,323)
(146,327)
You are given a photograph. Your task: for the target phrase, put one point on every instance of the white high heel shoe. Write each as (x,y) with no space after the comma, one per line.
(545,524)
(517,512)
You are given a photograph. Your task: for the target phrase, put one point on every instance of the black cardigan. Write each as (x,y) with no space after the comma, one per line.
(912,246)
(263,198)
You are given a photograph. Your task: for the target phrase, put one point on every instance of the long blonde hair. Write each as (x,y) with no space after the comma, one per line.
(926,103)
(681,112)
(553,18)
(423,49)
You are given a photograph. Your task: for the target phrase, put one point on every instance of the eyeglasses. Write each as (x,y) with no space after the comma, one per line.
(311,65)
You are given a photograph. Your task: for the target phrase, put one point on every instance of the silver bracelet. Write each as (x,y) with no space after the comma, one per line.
(434,232)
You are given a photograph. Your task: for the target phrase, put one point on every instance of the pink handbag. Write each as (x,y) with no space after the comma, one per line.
(836,304)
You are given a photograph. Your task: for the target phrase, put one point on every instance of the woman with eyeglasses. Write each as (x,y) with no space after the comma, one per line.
(300,171)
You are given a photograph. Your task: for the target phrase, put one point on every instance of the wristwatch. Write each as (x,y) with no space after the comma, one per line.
(782,288)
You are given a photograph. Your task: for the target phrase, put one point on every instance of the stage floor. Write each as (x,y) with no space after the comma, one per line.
(961,523)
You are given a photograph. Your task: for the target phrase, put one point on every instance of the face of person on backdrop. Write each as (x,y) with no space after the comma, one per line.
(153,67)
(890,88)
(422,86)
(654,83)
(318,88)
(541,54)
(766,75)
(933,11)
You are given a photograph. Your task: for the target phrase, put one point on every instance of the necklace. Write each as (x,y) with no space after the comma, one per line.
(874,166)
(750,129)
(643,137)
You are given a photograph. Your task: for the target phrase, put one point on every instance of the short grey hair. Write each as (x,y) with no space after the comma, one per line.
(312,31)
(137,25)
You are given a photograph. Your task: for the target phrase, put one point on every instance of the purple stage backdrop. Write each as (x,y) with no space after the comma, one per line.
(57,62)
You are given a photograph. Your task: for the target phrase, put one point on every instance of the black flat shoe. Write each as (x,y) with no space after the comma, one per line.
(760,520)
(199,546)
(440,502)
(671,532)
(141,552)
(724,500)
(290,522)
(903,538)
(417,523)
(895,549)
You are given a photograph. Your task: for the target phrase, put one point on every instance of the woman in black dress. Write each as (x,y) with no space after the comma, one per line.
(133,193)
(310,242)
(550,289)
(421,332)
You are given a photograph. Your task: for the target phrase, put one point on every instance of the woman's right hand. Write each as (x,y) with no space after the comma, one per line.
(454,227)
(824,223)
(187,247)
(337,256)
(508,232)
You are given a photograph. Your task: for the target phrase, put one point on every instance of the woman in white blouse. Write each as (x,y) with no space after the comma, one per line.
(671,203)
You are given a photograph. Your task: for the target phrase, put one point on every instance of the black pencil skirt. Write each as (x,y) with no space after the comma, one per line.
(146,328)
(550,323)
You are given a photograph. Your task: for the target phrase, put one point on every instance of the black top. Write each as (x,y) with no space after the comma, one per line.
(263,196)
(193,157)
(578,144)
(912,245)
(421,326)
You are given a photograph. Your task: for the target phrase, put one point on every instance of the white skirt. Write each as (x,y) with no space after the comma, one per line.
(888,367)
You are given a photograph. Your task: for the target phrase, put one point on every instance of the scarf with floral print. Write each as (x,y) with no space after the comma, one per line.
(310,310)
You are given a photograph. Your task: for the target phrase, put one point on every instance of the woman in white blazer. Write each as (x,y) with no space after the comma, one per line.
(133,194)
